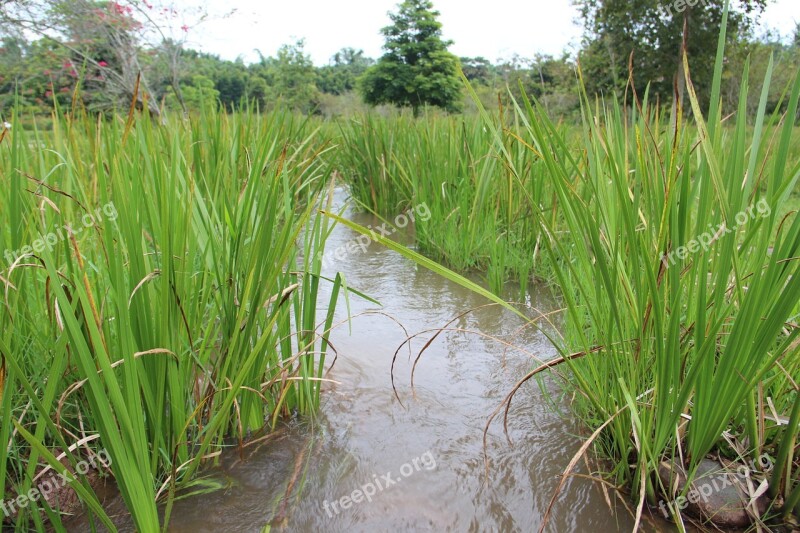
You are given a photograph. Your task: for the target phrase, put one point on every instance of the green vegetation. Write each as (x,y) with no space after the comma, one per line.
(482,208)
(178,311)
(677,332)
(180,308)
(670,246)
(416,69)
(653,31)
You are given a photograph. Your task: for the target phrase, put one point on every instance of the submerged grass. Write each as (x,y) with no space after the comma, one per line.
(171,304)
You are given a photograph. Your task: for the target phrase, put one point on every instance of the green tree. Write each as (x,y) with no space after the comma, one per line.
(653,31)
(346,66)
(198,93)
(103,41)
(290,77)
(477,70)
(34,74)
(417,68)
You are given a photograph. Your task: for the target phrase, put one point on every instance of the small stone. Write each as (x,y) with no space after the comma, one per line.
(716,495)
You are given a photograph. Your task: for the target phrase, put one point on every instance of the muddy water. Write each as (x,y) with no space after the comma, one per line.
(420,462)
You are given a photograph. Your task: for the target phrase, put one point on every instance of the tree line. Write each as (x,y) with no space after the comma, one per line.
(105,54)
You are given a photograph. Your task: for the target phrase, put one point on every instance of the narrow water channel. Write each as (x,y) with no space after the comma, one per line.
(418,464)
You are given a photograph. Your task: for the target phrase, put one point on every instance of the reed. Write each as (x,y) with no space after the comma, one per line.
(177,312)
(673,244)
(679,280)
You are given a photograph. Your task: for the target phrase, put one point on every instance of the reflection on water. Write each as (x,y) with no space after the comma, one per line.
(371,462)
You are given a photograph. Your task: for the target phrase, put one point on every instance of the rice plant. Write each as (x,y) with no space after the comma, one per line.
(481,207)
(672,245)
(679,280)
(160,296)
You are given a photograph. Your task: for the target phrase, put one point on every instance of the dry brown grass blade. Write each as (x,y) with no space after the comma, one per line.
(89,294)
(284,295)
(573,462)
(2,374)
(532,323)
(151,276)
(443,329)
(78,384)
(506,403)
(438,331)
(53,189)
(132,110)
(282,518)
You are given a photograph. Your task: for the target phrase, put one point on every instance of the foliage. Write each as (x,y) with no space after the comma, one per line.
(417,69)
(173,305)
(652,30)
(341,75)
(103,42)
(291,78)
(34,75)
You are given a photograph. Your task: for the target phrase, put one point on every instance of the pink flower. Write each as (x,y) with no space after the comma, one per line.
(102,63)
(185,27)
(48,94)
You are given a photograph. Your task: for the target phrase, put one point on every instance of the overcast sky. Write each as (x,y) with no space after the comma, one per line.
(489,28)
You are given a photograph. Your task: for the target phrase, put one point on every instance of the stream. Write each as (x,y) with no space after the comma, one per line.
(368,462)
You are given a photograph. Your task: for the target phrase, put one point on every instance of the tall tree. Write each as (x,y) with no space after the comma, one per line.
(653,31)
(477,69)
(417,68)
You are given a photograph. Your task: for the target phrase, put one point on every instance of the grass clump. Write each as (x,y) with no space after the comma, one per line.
(481,207)
(672,245)
(679,280)
(173,303)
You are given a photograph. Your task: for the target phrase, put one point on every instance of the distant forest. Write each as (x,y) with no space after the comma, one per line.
(54,51)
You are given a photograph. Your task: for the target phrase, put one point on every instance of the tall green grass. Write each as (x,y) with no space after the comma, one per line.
(482,208)
(184,315)
(682,337)
(673,245)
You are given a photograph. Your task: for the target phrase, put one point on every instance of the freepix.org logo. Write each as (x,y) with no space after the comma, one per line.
(106,213)
(367,491)
(53,483)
